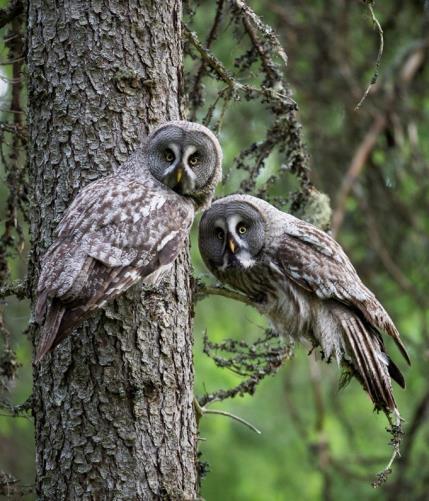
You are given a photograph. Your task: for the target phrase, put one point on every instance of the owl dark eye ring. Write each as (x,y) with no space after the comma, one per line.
(220,234)
(169,155)
(193,160)
(241,229)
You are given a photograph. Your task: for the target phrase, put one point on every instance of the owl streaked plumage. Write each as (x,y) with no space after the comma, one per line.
(126,227)
(301,279)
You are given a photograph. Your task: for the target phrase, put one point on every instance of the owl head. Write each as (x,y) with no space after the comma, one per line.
(232,233)
(186,157)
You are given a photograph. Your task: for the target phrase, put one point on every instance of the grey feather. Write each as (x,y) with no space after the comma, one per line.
(126,227)
(307,284)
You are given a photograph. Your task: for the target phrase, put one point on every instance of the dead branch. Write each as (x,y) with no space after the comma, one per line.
(357,164)
(17,289)
(255,361)
(11,488)
(202,291)
(409,68)
(13,10)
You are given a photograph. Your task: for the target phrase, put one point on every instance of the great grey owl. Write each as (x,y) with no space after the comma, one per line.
(301,279)
(126,227)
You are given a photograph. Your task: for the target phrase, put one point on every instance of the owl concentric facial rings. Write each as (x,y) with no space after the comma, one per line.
(231,236)
(302,280)
(126,227)
(183,159)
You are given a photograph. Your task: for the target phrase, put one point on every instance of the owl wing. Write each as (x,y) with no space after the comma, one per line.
(116,232)
(109,200)
(316,262)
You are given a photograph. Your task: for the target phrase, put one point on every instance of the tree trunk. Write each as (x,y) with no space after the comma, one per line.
(113,404)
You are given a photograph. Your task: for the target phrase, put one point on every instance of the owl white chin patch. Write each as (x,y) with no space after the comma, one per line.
(245,259)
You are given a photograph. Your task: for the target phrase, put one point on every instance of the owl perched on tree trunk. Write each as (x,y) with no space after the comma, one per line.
(126,227)
(302,280)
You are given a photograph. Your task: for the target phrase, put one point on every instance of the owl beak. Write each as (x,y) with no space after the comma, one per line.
(178,180)
(179,175)
(232,245)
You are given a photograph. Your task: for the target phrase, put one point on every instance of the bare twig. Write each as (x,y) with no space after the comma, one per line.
(203,291)
(201,411)
(20,410)
(267,32)
(377,24)
(196,92)
(15,129)
(418,420)
(223,74)
(396,432)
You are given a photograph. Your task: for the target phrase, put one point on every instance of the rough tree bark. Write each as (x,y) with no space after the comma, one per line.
(113,404)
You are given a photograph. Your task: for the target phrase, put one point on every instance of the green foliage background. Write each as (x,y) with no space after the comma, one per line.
(312,446)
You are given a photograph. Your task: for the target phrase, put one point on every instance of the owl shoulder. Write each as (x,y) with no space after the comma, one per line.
(108,200)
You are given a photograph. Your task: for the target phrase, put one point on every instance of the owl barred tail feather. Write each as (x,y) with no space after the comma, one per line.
(371,364)
(62,318)
(49,336)
(60,322)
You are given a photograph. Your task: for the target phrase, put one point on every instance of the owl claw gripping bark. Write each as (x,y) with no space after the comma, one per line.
(126,227)
(311,287)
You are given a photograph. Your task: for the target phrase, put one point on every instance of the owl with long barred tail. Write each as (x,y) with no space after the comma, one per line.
(301,279)
(127,227)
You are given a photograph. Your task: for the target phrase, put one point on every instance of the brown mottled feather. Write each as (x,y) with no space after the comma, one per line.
(330,275)
(372,371)
(323,269)
(309,289)
(95,261)
(123,228)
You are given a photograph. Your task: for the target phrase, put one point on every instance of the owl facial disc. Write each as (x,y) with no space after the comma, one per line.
(236,247)
(179,176)
(233,235)
(187,158)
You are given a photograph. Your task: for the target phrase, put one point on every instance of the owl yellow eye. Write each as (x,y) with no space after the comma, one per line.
(193,160)
(241,229)
(169,155)
(220,234)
